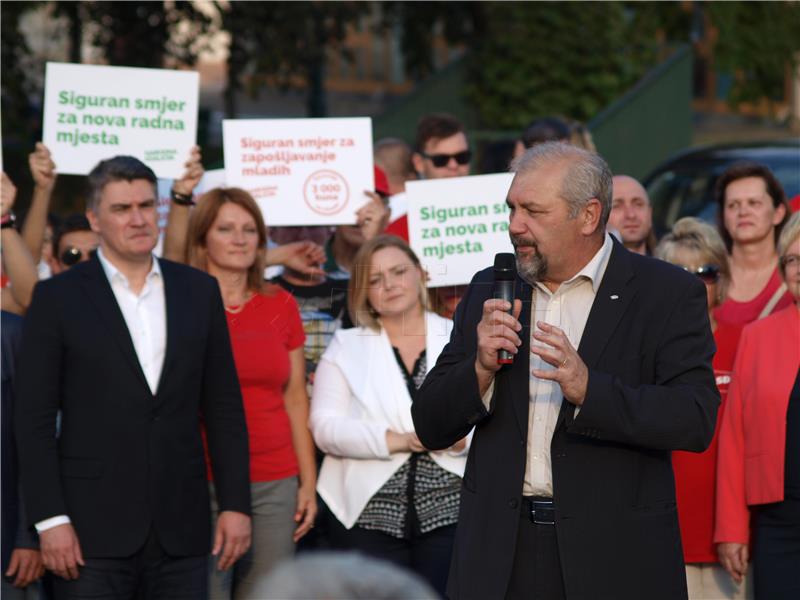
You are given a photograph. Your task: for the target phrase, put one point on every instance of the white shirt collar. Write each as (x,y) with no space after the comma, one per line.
(595,268)
(112,273)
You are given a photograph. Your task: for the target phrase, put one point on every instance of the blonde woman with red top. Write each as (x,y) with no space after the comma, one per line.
(698,248)
(758,469)
(227,238)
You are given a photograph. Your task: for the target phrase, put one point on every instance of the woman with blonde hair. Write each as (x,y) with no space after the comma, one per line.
(392,498)
(227,238)
(697,247)
(758,472)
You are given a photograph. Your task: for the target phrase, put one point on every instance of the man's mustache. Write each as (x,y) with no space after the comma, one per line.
(518,242)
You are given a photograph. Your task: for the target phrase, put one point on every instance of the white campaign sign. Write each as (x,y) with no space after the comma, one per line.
(301,171)
(457,225)
(212,178)
(94,112)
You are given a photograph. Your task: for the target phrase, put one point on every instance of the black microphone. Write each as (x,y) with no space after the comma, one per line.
(505,272)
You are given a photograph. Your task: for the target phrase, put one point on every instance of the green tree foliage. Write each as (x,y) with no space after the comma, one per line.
(759,42)
(460,23)
(19,119)
(145,34)
(275,42)
(569,58)
(14,53)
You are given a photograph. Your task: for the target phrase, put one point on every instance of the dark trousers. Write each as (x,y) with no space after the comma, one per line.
(536,571)
(427,554)
(150,574)
(776,551)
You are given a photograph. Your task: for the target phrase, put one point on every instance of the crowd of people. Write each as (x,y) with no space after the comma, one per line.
(180,426)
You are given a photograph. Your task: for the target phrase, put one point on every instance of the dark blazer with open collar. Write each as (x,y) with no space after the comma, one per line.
(127,459)
(648,347)
(15,532)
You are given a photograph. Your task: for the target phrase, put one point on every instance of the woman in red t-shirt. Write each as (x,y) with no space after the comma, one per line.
(227,238)
(752,212)
(697,247)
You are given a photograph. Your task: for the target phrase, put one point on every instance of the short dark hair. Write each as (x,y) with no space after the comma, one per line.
(742,170)
(71,223)
(119,168)
(545,129)
(436,126)
(393,155)
(53,220)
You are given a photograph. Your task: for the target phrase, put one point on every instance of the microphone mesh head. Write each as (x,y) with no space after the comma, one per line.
(505,265)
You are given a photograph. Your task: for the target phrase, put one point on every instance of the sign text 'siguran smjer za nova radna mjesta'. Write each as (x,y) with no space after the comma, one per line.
(81,110)
(458,222)
(443,223)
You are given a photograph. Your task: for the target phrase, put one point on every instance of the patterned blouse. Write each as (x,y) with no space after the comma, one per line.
(421,496)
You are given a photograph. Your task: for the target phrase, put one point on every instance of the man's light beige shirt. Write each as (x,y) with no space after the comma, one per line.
(567,308)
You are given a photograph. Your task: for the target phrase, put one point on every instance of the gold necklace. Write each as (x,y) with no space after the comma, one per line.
(237,308)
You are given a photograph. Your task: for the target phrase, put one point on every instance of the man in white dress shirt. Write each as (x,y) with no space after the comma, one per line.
(568,490)
(133,351)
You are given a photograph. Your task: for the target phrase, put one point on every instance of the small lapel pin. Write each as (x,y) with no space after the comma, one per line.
(614,297)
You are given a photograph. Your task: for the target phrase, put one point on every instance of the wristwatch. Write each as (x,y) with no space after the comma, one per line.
(9,220)
(182,199)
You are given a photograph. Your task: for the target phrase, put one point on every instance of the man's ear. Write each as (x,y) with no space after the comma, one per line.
(418,162)
(93,222)
(55,265)
(590,215)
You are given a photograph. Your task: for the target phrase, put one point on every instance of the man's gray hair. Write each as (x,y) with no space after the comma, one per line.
(343,576)
(587,176)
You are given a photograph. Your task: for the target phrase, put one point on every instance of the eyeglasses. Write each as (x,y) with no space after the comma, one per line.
(790,260)
(72,256)
(442,160)
(706,273)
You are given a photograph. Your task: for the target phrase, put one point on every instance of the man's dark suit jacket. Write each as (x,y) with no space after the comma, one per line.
(15,533)
(126,459)
(648,347)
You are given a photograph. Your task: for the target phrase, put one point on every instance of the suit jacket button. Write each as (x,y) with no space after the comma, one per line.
(513,503)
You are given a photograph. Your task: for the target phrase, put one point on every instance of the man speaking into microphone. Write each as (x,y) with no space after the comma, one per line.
(568,490)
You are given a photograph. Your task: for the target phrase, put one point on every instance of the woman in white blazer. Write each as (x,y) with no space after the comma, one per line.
(391,497)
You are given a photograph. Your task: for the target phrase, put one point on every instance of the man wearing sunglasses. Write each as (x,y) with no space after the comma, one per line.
(442,149)
(73,242)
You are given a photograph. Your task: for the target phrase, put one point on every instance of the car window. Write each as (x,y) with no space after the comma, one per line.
(689,191)
(788,174)
(675,194)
